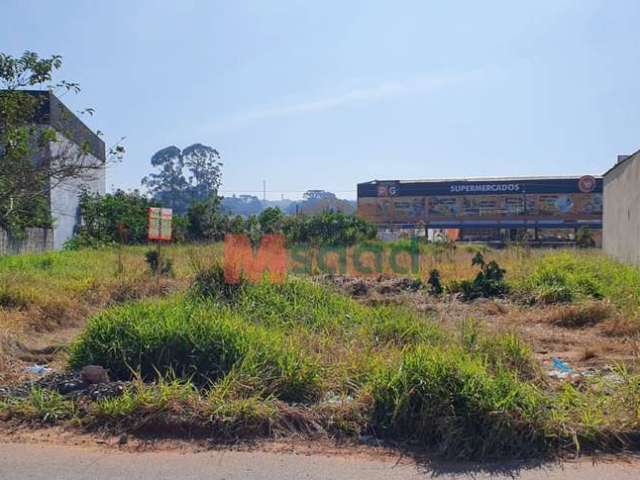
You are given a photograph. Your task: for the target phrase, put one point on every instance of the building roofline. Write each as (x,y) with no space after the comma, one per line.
(629,157)
(482,179)
(57,115)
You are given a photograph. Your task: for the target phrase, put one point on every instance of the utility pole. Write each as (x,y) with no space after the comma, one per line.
(264,190)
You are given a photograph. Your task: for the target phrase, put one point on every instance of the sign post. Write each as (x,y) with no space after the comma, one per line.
(159,229)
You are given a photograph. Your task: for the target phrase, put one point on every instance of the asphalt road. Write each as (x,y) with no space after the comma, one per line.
(35,462)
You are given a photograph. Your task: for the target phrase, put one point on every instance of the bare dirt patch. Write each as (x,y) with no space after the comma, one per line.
(576,333)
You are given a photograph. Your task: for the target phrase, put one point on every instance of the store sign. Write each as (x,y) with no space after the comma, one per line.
(587,184)
(488,188)
(160,220)
(388,190)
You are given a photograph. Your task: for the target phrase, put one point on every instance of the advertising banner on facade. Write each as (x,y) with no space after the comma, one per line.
(579,199)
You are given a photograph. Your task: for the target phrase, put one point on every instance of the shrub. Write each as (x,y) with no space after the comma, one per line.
(328,228)
(158,265)
(434,282)
(509,352)
(119,217)
(271,220)
(402,327)
(205,220)
(489,282)
(584,238)
(13,298)
(209,283)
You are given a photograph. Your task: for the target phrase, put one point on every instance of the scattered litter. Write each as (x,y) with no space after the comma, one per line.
(38,369)
(560,365)
(68,384)
(333,399)
(560,369)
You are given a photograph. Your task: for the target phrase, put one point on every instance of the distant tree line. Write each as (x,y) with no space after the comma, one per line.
(121,218)
(313,202)
(187,181)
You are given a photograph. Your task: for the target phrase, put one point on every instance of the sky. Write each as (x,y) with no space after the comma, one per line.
(324,95)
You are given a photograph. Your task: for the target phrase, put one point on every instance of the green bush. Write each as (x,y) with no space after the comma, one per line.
(328,228)
(584,238)
(300,303)
(113,218)
(209,283)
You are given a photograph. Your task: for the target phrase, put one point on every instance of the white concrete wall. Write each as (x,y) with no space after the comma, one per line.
(621,223)
(64,197)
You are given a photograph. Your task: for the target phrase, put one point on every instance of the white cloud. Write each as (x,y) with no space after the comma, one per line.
(414,86)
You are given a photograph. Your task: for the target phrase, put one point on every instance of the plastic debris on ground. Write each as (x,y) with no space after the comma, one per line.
(38,369)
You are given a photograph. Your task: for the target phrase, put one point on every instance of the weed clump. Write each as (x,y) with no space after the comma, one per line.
(39,405)
(561,279)
(11,298)
(489,281)
(157,264)
(450,401)
(210,283)
(577,316)
(194,340)
(434,282)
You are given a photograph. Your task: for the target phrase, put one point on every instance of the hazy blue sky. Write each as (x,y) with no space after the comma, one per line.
(329,93)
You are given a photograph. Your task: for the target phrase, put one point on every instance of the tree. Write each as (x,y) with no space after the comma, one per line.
(184,176)
(205,220)
(328,228)
(119,217)
(237,225)
(271,220)
(33,157)
(318,201)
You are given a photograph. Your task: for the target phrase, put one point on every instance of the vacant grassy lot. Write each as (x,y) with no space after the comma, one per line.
(45,298)
(466,379)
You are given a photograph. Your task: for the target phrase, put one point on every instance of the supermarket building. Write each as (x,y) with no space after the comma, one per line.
(541,209)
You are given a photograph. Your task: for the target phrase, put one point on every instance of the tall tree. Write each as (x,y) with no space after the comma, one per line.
(184,176)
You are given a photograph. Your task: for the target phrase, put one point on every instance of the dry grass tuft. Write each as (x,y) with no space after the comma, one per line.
(622,326)
(578,316)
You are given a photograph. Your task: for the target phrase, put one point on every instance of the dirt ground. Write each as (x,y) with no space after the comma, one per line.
(582,347)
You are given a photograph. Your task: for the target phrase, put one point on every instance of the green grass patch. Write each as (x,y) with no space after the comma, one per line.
(572,276)
(449,400)
(40,405)
(197,340)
